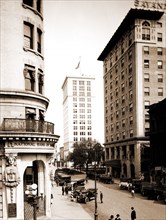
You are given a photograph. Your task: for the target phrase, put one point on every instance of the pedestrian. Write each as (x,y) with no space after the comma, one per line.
(117,217)
(66,190)
(132,192)
(63,190)
(101,197)
(111,217)
(52,198)
(133,213)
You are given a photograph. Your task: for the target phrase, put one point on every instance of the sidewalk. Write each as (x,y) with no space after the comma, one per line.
(64,208)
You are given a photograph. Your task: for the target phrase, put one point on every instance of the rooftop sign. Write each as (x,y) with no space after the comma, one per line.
(153,5)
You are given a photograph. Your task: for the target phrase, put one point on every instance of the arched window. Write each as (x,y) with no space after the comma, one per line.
(145,30)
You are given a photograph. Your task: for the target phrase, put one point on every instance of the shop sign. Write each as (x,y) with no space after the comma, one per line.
(155,5)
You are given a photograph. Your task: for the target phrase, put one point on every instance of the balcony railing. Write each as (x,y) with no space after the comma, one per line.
(28,125)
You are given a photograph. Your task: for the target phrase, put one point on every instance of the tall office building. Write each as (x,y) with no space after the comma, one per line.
(27,141)
(134,63)
(78,108)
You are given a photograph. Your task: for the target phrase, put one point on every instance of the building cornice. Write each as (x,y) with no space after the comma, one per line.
(125,25)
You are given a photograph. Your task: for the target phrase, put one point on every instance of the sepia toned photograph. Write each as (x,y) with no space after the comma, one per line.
(82,109)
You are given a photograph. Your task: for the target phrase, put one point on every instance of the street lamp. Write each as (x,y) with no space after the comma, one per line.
(96,213)
(32,198)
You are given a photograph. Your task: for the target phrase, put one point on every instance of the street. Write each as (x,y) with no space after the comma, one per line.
(117,201)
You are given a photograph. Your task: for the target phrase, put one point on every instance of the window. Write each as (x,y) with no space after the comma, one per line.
(39,39)
(159,51)
(29,75)
(28,35)
(147,104)
(131,133)
(130,68)
(159,24)
(130,54)
(130,94)
(160,91)
(131,120)
(160,77)
(146,50)
(146,63)
(131,107)
(159,64)
(81,88)
(38,5)
(122,63)
(146,91)
(40,81)
(145,31)
(146,77)
(130,81)
(159,37)
(81,82)
(30,113)
(28,2)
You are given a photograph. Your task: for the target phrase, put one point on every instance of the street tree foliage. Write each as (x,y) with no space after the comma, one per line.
(86,152)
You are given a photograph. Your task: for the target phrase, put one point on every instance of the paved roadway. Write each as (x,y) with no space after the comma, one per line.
(116,201)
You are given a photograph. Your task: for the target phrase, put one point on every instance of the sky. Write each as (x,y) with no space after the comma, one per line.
(78,30)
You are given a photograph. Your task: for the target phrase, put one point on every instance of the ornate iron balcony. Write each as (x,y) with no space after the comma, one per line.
(28,125)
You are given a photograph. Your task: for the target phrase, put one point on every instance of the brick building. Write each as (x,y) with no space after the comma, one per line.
(134,73)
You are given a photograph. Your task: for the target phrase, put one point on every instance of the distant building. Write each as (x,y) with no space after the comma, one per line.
(134,63)
(78,109)
(27,141)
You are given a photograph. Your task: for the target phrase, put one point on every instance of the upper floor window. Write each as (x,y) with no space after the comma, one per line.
(35,4)
(28,35)
(38,6)
(159,51)
(39,40)
(146,50)
(146,77)
(145,31)
(29,74)
(146,63)
(40,81)
(160,77)
(160,91)
(159,37)
(159,64)
(28,2)
(146,91)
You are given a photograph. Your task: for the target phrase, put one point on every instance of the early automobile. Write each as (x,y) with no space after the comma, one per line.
(86,195)
(125,183)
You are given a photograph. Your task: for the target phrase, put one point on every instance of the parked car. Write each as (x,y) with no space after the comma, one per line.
(137,184)
(86,195)
(124,183)
(105,178)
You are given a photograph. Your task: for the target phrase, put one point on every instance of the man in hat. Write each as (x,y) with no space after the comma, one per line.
(133,213)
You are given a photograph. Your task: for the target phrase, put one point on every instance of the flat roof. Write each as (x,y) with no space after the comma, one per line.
(128,20)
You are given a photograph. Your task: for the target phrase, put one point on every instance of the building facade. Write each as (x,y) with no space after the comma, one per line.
(27,141)
(134,63)
(78,107)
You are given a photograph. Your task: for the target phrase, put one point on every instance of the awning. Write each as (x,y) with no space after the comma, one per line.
(113,163)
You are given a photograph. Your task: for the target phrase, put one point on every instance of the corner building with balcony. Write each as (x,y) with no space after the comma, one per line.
(134,63)
(27,141)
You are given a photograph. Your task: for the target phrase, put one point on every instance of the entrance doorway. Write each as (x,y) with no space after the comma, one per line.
(34,174)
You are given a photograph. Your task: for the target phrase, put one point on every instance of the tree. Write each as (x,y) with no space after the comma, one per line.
(85,153)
